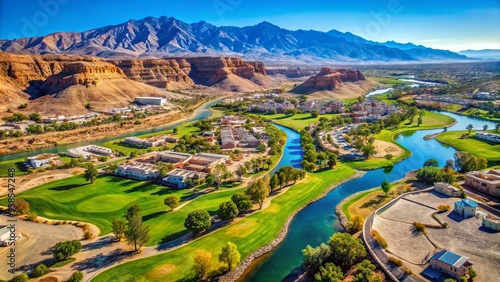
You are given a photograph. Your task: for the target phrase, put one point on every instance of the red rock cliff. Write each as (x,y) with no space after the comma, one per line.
(328,79)
(211,70)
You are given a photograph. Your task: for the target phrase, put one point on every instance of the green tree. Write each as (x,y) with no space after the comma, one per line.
(429,174)
(133,211)
(346,249)
(472,274)
(64,250)
(462,279)
(219,173)
(77,276)
(364,271)
(355,224)
(465,162)
(315,113)
(274,182)
(329,273)
(137,233)
(497,126)
(119,227)
(20,278)
(450,280)
(174,131)
(172,202)
(202,263)
(197,221)
(40,270)
(431,162)
(242,201)
(314,257)
(240,171)
(111,168)
(259,191)
(90,173)
(227,211)
(230,255)
(469,128)
(386,186)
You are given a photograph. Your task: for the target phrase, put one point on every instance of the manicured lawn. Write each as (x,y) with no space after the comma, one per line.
(349,101)
(108,198)
(429,121)
(296,122)
(383,98)
(249,234)
(387,80)
(475,112)
(475,146)
(17,164)
(181,131)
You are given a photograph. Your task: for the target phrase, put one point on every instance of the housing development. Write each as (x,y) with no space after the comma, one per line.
(249,141)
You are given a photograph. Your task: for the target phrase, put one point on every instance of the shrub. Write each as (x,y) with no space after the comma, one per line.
(379,239)
(406,271)
(20,278)
(88,235)
(462,279)
(444,225)
(397,262)
(32,216)
(40,270)
(472,274)
(444,208)
(420,227)
(77,276)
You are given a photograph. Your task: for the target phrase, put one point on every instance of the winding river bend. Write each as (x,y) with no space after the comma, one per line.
(317,222)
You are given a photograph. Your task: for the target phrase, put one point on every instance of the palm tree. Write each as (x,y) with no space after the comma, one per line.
(497,127)
(485,127)
(469,128)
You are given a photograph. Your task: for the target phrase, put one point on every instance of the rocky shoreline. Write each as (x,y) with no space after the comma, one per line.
(237,272)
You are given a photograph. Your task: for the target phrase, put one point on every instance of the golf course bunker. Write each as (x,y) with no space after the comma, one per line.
(403,241)
(106,203)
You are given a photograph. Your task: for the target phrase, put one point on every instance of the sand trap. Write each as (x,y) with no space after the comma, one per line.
(384,148)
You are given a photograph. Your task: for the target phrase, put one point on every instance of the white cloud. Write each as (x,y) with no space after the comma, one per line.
(429,40)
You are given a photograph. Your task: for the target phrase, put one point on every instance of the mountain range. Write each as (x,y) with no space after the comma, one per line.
(169,37)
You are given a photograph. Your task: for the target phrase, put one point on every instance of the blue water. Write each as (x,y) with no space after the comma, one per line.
(318,221)
(292,153)
(202,113)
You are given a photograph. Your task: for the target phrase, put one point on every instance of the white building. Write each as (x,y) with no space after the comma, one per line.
(466,208)
(89,151)
(491,222)
(157,101)
(495,138)
(451,263)
(4,236)
(138,171)
(447,189)
(42,160)
(179,176)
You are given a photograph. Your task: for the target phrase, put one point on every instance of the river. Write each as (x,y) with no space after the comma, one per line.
(318,221)
(415,83)
(201,113)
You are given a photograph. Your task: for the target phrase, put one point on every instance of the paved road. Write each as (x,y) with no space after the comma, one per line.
(393,272)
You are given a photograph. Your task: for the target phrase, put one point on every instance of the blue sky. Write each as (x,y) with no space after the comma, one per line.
(453,25)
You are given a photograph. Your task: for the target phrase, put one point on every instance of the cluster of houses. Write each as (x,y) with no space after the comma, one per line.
(254,97)
(232,137)
(323,107)
(372,110)
(186,167)
(154,141)
(271,105)
(463,100)
(79,119)
(491,137)
(467,208)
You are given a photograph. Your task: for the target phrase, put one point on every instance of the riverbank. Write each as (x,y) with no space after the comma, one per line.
(96,133)
(238,272)
(477,147)
(249,234)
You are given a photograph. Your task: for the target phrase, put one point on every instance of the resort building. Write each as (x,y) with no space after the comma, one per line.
(447,189)
(154,141)
(371,110)
(138,171)
(451,263)
(495,138)
(466,208)
(487,182)
(171,139)
(227,140)
(205,162)
(43,160)
(157,101)
(178,177)
(491,222)
(269,106)
(175,158)
(323,107)
(232,120)
(89,151)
